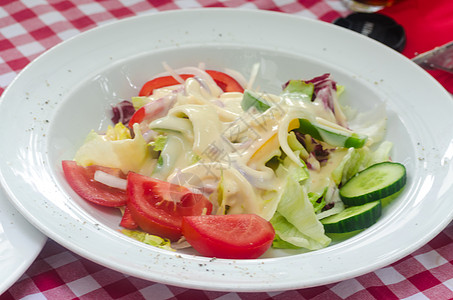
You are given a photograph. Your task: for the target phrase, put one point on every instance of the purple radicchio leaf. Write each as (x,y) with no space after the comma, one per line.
(324,87)
(314,147)
(122,112)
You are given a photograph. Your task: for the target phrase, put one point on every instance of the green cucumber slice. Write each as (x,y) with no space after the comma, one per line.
(353,218)
(251,99)
(333,136)
(374,183)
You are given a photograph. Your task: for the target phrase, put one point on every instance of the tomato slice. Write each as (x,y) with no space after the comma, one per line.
(127,221)
(225,82)
(81,179)
(152,111)
(138,116)
(160,82)
(158,206)
(229,236)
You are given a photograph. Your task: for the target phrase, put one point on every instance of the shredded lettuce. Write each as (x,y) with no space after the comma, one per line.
(289,168)
(381,154)
(159,142)
(279,243)
(149,239)
(295,145)
(118,132)
(295,221)
(317,200)
(299,89)
(372,123)
(335,205)
(140,101)
(358,159)
(353,162)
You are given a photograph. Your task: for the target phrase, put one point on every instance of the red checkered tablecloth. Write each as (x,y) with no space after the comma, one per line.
(30,27)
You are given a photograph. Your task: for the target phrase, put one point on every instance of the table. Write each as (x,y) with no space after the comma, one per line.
(30,27)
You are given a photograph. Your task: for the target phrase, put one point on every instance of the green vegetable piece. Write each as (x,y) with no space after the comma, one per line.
(149,239)
(318,200)
(353,218)
(333,136)
(159,142)
(340,90)
(300,88)
(295,145)
(140,101)
(374,183)
(278,243)
(251,99)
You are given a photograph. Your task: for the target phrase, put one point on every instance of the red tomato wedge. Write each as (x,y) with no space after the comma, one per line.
(81,179)
(152,111)
(127,221)
(244,236)
(224,81)
(138,116)
(160,82)
(158,206)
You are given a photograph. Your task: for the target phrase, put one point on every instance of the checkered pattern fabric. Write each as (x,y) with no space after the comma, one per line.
(60,274)
(30,27)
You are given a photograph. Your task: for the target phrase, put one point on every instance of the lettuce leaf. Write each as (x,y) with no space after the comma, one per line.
(140,101)
(159,142)
(149,239)
(279,243)
(295,221)
(358,159)
(381,154)
(126,153)
(118,132)
(372,123)
(352,162)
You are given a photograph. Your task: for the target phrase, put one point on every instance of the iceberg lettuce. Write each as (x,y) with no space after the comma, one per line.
(149,239)
(357,160)
(159,142)
(295,221)
(140,101)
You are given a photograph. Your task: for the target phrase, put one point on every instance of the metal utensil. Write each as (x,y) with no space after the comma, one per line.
(439,58)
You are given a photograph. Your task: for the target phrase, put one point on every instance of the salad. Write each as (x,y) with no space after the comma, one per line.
(201,158)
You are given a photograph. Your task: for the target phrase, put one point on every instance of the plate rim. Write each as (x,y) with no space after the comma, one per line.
(35,241)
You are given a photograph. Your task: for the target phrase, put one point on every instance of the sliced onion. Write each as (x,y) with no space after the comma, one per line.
(253,76)
(150,135)
(181,244)
(214,88)
(203,85)
(173,73)
(110,180)
(236,76)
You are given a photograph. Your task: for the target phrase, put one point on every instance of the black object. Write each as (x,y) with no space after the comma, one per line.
(376,26)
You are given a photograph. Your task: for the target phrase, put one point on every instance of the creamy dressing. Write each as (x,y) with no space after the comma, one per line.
(232,147)
(260,161)
(320,179)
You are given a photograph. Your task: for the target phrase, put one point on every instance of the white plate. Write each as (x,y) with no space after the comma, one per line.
(66,92)
(20,243)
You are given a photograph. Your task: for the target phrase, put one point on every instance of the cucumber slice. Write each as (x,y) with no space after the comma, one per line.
(333,136)
(253,99)
(353,218)
(374,183)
